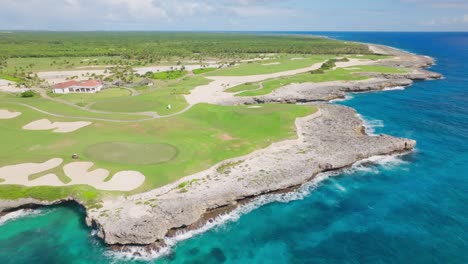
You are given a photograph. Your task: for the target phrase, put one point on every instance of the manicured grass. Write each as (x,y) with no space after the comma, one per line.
(243,87)
(169,75)
(203,136)
(85,98)
(369,57)
(131,153)
(340,74)
(168,93)
(285,63)
(56,108)
(203,70)
(10,78)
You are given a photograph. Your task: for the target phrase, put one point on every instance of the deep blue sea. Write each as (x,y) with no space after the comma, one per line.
(412,209)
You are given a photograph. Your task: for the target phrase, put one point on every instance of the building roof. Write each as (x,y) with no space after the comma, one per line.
(65,84)
(68,84)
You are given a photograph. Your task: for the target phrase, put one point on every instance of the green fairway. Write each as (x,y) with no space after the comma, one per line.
(201,137)
(284,63)
(83,99)
(340,74)
(167,93)
(203,70)
(131,153)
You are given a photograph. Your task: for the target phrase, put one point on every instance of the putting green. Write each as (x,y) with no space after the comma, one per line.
(132,153)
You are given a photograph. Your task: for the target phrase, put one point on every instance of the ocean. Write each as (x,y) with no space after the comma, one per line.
(407,209)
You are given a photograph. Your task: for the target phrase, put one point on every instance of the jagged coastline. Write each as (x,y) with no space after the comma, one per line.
(331,139)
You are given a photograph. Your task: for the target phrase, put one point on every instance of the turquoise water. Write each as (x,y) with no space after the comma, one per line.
(413,209)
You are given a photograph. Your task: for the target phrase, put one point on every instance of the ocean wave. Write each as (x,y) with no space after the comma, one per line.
(18,214)
(346,98)
(140,253)
(371,124)
(396,88)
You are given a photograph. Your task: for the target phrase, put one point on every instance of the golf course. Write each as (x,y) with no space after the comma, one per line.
(147,130)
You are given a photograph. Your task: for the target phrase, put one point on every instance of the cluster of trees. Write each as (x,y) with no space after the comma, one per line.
(328,65)
(155,46)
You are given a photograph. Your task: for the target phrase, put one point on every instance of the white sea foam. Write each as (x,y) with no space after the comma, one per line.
(371,124)
(302,192)
(18,214)
(396,88)
(346,98)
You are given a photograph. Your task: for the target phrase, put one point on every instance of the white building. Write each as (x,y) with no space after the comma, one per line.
(90,86)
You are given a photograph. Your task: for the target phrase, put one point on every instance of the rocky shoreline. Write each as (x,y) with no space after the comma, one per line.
(331,139)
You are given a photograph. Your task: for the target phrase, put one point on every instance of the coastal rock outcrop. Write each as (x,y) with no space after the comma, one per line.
(330,139)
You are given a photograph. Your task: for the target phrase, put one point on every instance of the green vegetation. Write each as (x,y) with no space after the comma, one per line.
(153,46)
(203,136)
(340,74)
(10,78)
(169,75)
(83,99)
(28,93)
(203,70)
(157,100)
(284,63)
(132,153)
(243,87)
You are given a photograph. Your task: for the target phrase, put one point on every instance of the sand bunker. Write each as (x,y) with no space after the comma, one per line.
(59,127)
(78,172)
(272,63)
(19,173)
(5,114)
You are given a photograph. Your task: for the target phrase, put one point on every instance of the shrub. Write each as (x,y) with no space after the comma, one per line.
(28,93)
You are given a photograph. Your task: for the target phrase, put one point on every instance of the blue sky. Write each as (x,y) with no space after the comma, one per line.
(254,15)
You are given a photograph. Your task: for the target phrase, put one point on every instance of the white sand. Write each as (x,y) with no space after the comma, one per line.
(272,63)
(5,114)
(59,127)
(213,92)
(19,173)
(10,87)
(78,172)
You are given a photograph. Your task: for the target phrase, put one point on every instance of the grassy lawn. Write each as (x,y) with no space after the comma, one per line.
(56,108)
(340,74)
(9,78)
(169,75)
(167,93)
(243,87)
(85,99)
(369,57)
(284,63)
(203,70)
(203,136)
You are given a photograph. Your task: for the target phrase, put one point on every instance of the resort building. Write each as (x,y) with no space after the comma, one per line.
(89,86)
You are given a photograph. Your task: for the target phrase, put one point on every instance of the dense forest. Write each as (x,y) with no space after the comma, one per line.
(158,45)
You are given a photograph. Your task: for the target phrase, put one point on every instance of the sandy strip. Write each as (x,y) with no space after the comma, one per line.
(213,92)
(78,172)
(5,114)
(59,127)
(19,173)
(272,63)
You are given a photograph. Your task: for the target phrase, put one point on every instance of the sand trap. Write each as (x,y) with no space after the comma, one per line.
(5,114)
(272,63)
(352,69)
(19,173)
(78,172)
(59,127)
